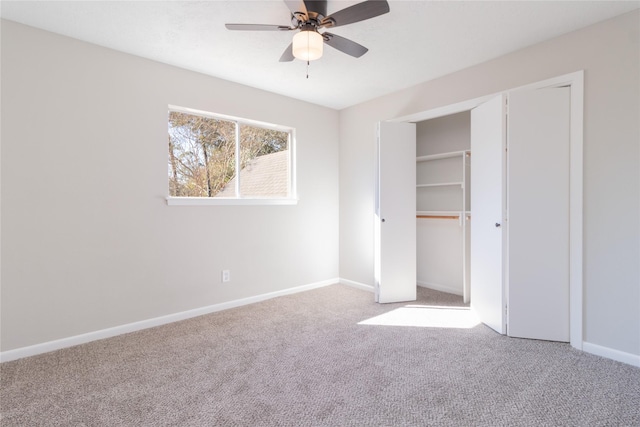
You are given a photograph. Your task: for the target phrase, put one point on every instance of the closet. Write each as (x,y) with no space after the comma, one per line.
(494,210)
(443,161)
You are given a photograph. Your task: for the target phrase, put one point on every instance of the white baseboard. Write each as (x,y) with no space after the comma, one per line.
(441,288)
(609,353)
(357,285)
(46,347)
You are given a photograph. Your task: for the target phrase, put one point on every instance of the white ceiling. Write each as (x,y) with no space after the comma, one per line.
(415,42)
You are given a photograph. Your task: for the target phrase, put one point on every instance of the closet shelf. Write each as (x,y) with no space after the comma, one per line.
(441,184)
(442,156)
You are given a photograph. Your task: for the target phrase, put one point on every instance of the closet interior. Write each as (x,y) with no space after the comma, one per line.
(443,217)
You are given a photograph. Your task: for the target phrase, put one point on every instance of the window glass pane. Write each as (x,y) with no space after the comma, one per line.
(264,162)
(201,155)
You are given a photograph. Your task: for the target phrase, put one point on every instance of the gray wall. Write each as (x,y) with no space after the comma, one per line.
(609,52)
(88,241)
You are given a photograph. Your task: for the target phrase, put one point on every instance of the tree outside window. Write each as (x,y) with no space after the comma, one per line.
(221,158)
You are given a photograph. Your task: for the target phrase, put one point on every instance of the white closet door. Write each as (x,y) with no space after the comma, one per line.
(487,212)
(538,219)
(395,222)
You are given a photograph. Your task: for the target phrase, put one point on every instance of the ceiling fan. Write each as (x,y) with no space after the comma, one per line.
(311,16)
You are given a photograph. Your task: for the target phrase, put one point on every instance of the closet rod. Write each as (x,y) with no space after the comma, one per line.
(438,216)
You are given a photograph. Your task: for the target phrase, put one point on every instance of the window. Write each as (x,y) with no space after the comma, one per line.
(215,159)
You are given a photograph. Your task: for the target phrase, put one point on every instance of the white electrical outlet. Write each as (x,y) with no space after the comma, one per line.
(226,276)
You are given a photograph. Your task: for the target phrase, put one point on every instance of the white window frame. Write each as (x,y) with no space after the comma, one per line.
(250,200)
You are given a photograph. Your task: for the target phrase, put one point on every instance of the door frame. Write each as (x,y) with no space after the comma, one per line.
(575,81)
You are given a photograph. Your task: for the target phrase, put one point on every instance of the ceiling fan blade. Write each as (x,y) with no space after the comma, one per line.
(257,27)
(296,7)
(287,55)
(344,45)
(356,13)
(316,7)
(308,8)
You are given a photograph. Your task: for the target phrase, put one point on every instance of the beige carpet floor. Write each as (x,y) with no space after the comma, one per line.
(327,357)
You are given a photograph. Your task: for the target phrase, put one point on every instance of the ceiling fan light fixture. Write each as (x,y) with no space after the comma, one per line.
(307,45)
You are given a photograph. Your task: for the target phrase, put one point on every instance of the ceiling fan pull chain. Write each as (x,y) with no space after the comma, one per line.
(307,68)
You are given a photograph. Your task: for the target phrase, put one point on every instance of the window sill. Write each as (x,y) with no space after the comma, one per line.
(211,201)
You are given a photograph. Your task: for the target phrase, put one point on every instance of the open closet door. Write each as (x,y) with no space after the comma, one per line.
(395,220)
(488,136)
(538,205)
